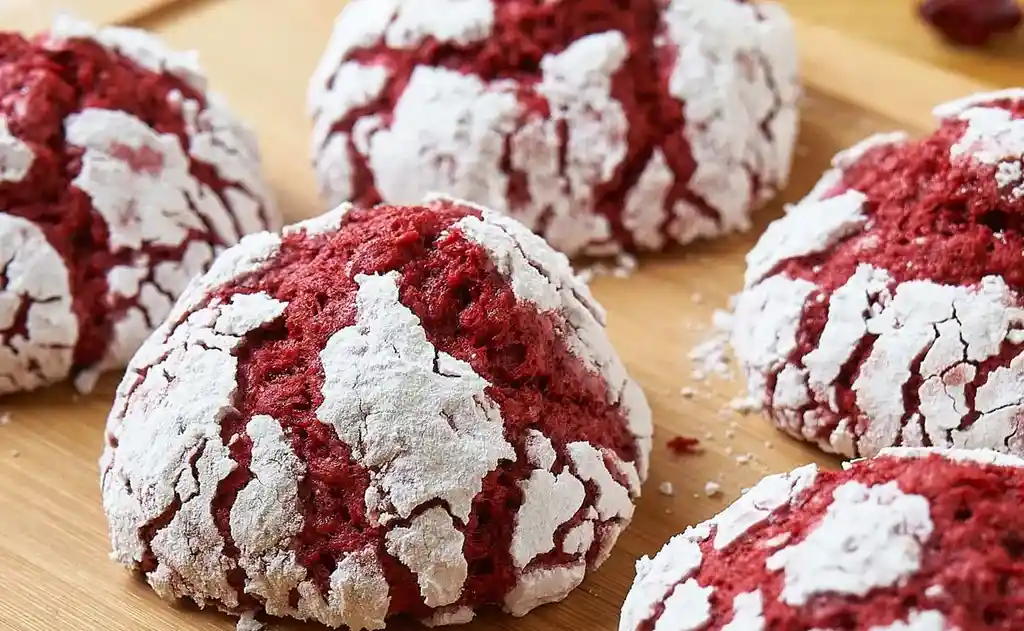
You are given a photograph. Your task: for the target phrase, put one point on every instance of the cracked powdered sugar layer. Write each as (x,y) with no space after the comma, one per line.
(265,516)
(807,228)
(431,546)
(544,278)
(549,500)
(678,562)
(766,321)
(994,137)
(140,182)
(736,73)
(453,432)
(951,328)
(919,331)
(870,537)
(35,290)
(157,440)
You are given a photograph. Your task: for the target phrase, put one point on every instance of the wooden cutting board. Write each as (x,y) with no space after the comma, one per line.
(31,16)
(54,574)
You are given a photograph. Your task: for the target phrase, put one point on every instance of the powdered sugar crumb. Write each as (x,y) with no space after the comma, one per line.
(666,488)
(712,488)
(623,267)
(248,622)
(745,405)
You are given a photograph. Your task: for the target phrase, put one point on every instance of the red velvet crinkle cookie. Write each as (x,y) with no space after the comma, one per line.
(120,178)
(401,410)
(885,308)
(601,125)
(915,539)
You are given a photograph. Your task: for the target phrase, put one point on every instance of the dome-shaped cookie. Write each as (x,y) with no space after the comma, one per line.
(601,125)
(885,308)
(402,410)
(911,540)
(121,177)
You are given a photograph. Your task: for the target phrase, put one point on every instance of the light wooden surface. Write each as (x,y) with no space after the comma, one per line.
(894,25)
(31,16)
(54,574)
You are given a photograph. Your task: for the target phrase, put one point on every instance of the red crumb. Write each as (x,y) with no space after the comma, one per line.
(972,22)
(684,446)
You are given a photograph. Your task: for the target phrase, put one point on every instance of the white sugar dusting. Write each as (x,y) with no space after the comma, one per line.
(994,137)
(870,537)
(733,68)
(142,184)
(157,438)
(35,279)
(453,431)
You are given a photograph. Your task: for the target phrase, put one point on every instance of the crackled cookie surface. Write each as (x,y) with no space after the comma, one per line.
(885,308)
(601,125)
(120,178)
(912,540)
(398,410)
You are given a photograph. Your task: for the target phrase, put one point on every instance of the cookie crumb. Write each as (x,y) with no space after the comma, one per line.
(666,488)
(686,393)
(745,405)
(712,488)
(623,267)
(248,622)
(684,445)
(743,459)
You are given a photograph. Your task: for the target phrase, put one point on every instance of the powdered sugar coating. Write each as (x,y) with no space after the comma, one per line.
(33,276)
(141,211)
(549,138)
(886,344)
(427,442)
(866,549)
(871,537)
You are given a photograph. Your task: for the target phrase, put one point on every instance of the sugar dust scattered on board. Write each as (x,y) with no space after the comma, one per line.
(623,267)
(711,357)
(248,622)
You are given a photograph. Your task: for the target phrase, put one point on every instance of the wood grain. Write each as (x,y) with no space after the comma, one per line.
(894,26)
(53,568)
(31,16)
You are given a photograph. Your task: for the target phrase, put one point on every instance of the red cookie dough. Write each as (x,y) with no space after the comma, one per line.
(601,125)
(885,308)
(912,540)
(401,410)
(120,179)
